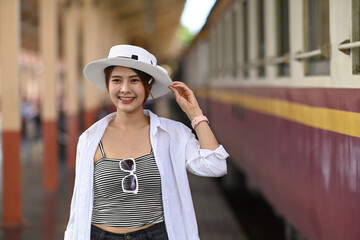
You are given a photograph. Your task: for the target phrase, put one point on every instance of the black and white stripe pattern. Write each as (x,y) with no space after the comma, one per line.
(113,207)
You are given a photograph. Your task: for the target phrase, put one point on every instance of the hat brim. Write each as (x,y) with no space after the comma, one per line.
(94,72)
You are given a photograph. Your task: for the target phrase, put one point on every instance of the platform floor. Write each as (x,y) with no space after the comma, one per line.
(46,215)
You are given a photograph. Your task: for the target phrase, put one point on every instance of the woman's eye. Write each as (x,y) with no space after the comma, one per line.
(115,80)
(135,80)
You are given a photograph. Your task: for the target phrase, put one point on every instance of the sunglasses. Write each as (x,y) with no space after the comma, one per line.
(129,183)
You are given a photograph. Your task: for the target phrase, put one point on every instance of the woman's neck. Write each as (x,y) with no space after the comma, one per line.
(134,120)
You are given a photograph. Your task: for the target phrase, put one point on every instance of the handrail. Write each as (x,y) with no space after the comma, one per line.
(310,54)
(323,51)
(253,64)
(349,45)
(278,60)
(263,62)
(346,45)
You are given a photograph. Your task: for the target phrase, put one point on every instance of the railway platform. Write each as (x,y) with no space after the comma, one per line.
(45,215)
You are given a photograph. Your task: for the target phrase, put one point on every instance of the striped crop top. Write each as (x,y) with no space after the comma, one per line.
(115,208)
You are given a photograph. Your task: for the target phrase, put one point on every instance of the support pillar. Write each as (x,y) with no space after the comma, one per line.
(72,75)
(49,50)
(10,112)
(91,33)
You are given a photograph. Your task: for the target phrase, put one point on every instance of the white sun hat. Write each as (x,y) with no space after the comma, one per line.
(131,57)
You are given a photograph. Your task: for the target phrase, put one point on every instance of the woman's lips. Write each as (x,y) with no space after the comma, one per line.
(126,99)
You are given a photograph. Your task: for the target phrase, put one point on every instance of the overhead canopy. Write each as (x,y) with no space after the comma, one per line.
(151,24)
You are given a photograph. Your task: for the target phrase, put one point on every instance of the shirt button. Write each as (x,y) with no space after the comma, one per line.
(128,237)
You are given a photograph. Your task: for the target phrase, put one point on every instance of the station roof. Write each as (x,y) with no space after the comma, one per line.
(151,24)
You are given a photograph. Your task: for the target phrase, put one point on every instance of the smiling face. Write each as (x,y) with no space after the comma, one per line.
(126,89)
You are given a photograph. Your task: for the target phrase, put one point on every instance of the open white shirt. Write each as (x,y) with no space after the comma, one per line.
(175,149)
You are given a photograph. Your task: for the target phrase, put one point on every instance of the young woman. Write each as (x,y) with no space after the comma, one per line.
(131,180)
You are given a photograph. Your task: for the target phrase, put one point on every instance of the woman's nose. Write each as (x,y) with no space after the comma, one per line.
(125,87)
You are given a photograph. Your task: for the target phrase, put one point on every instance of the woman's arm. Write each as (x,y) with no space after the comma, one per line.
(186,99)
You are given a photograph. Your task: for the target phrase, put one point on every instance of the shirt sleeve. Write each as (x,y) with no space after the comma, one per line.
(204,162)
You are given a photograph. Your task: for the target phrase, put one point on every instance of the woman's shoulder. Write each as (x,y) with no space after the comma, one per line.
(95,129)
(82,139)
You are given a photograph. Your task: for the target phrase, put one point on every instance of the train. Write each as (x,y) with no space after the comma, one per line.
(279,81)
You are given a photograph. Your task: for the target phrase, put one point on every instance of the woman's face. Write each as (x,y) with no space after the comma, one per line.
(126,89)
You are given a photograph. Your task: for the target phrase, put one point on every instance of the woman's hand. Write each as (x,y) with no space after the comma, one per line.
(186,99)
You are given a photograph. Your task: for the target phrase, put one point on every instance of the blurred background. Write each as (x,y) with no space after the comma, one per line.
(278,79)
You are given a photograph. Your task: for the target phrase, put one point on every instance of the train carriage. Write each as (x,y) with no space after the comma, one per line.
(280,83)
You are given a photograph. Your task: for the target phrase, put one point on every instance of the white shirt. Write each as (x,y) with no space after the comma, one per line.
(176,149)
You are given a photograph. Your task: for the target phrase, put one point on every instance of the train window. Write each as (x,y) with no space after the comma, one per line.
(234,43)
(356,35)
(221,52)
(283,35)
(213,55)
(316,29)
(261,37)
(245,37)
(223,47)
(228,39)
(218,50)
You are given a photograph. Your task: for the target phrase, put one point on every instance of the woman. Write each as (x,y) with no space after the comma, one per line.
(131,180)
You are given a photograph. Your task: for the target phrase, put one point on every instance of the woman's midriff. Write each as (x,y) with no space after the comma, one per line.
(119,229)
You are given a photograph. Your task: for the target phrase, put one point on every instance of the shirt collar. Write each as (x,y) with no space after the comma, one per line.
(155,122)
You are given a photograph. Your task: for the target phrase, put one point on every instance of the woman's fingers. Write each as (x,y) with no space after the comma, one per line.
(184,90)
(186,99)
(175,91)
(183,94)
(182,86)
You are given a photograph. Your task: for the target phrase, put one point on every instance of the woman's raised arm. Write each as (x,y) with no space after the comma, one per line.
(186,99)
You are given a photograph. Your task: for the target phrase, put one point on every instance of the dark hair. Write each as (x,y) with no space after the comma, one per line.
(144,77)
